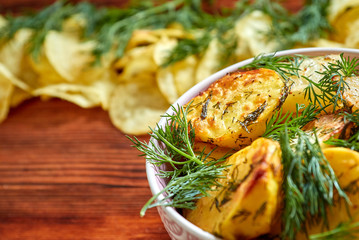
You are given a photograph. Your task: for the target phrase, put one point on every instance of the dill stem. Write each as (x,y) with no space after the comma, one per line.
(333,232)
(191,158)
(152,199)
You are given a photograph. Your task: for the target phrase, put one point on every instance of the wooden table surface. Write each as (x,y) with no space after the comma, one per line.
(66,173)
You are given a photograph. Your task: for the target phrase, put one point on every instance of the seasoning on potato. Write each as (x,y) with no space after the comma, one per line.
(233,111)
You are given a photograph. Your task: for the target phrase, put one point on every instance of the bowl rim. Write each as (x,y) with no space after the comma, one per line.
(150,169)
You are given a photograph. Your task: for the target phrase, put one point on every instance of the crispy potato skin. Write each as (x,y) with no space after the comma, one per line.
(247,204)
(233,111)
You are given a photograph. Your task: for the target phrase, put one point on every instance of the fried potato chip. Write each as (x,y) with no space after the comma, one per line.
(137,62)
(177,78)
(251,40)
(13,57)
(67,54)
(12,52)
(104,86)
(82,95)
(6,88)
(209,62)
(338,7)
(42,67)
(135,106)
(18,96)
(143,37)
(345,21)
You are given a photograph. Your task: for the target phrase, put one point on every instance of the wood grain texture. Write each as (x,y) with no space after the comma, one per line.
(67,174)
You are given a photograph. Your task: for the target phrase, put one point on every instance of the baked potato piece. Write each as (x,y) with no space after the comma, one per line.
(233,111)
(246,205)
(329,126)
(345,163)
(351,95)
(309,68)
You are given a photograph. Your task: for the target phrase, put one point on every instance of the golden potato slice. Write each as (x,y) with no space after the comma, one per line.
(344,17)
(233,111)
(339,7)
(18,96)
(246,206)
(177,78)
(84,96)
(67,54)
(310,68)
(6,89)
(13,56)
(209,63)
(136,63)
(251,40)
(136,106)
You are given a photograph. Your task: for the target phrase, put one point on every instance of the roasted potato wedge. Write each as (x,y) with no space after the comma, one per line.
(247,204)
(351,94)
(309,68)
(233,111)
(329,126)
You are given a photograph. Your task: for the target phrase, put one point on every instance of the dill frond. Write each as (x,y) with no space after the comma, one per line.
(309,184)
(193,174)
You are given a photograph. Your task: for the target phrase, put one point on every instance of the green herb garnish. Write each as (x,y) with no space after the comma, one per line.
(308,24)
(288,121)
(193,174)
(309,184)
(344,231)
(353,141)
(285,66)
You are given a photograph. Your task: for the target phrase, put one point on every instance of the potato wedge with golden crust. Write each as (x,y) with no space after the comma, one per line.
(233,111)
(329,126)
(247,204)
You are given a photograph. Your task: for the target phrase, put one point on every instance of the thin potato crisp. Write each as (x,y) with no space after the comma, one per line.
(66,65)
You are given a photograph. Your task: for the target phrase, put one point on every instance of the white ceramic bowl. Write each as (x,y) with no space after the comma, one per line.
(176,225)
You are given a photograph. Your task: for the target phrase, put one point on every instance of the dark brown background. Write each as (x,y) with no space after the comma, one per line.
(66,173)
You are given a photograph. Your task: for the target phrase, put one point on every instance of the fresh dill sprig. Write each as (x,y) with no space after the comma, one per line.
(285,66)
(112,28)
(192,175)
(209,27)
(308,24)
(289,121)
(330,88)
(309,184)
(187,47)
(344,231)
(50,18)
